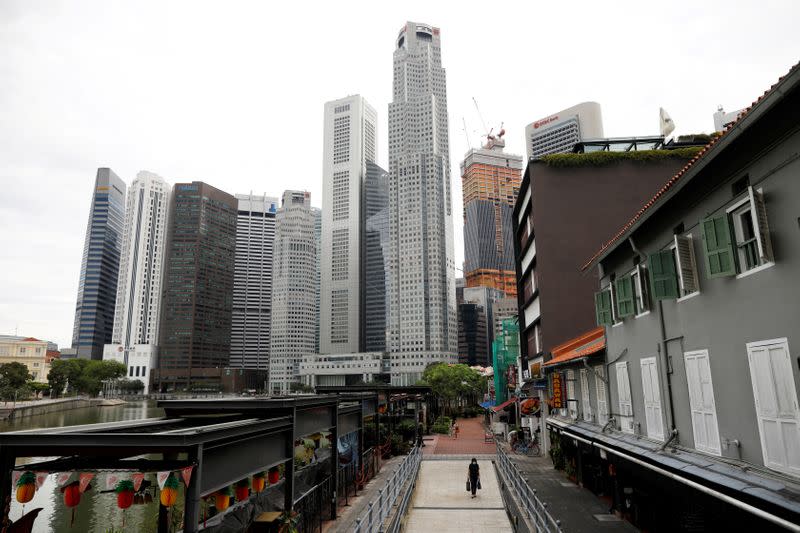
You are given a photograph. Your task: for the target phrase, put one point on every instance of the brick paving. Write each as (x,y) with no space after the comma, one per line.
(470,440)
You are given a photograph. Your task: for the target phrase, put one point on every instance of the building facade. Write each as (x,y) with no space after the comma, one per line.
(316,212)
(137,315)
(29,351)
(696,401)
(422,315)
(348,145)
(490,183)
(344,369)
(558,133)
(473,340)
(294,291)
(97,288)
(195,332)
(252,284)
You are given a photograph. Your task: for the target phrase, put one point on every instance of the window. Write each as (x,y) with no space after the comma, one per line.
(640,293)
(602,401)
(738,240)
(572,401)
(602,307)
(663,277)
(686,266)
(701,402)
(626,303)
(624,396)
(586,406)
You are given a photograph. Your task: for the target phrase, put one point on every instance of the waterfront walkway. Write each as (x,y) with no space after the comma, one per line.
(470,440)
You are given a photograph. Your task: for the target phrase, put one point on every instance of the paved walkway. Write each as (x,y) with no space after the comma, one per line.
(470,440)
(442,504)
(577,508)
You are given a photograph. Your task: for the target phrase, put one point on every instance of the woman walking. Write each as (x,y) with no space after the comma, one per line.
(474,476)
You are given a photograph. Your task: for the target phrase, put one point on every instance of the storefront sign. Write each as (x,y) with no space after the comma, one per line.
(557,392)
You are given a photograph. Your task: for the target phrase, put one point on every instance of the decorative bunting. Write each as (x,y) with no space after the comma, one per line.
(137,478)
(161,477)
(40,479)
(84,479)
(186,474)
(111,481)
(62,478)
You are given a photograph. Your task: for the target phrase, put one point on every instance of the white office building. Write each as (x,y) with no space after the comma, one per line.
(294,294)
(422,302)
(343,369)
(252,282)
(348,145)
(137,311)
(560,132)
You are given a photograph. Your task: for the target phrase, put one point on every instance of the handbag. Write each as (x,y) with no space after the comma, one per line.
(479,484)
(468,486)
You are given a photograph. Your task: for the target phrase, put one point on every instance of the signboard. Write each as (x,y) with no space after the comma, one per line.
(536,369)
(557,392)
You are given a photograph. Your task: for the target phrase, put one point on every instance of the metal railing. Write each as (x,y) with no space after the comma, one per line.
(532,506)
(379,509)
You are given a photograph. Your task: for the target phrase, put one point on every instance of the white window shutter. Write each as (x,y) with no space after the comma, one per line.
(572,401)
(687,268)
(759,211)
(624,393)
(652,398)
(602,402)
(585,401)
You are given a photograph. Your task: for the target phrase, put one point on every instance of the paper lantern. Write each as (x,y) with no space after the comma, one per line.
(125,493)
(72,494)
(259,481)
(242,490)
(222,499)
(274,475)
(169,494)
(26,487)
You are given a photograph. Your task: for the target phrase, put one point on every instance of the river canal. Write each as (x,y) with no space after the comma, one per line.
(97,511)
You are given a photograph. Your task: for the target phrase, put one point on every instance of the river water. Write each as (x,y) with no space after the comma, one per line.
(97,512)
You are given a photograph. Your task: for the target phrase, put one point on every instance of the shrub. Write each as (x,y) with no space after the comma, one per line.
(407,428)
(442,429)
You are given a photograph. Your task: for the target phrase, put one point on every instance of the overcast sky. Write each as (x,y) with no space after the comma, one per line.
(232,93)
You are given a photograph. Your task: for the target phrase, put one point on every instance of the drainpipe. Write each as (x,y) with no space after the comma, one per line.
(662,348)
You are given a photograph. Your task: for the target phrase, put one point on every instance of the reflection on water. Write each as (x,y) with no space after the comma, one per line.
(97,512)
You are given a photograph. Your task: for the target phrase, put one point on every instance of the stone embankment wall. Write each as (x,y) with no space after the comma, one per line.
(43,407)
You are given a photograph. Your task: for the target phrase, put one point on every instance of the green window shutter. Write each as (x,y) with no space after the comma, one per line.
(663,278)
(718,247)
(602,307)
(624,292)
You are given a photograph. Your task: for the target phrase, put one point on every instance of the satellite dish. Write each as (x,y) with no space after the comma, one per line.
(666,124)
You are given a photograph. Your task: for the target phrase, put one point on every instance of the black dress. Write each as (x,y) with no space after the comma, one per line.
(474,472)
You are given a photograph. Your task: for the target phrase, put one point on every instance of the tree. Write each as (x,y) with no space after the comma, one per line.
(14,375)
(300,387)
(130,386)
(453,383)
(83,375)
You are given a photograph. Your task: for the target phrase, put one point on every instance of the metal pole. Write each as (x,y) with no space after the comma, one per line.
(192,505)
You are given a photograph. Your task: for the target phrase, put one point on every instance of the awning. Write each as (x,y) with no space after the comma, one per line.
(487,404)
(504,405)
(582,346)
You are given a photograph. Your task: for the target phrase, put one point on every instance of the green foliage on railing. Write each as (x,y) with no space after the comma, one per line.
(602,159)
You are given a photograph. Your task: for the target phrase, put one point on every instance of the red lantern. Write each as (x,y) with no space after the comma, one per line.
(274,475)
(125,493)
(259,482)
(242,490)
(72,494)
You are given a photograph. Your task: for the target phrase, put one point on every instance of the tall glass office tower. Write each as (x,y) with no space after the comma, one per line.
(423,322)
(97,288)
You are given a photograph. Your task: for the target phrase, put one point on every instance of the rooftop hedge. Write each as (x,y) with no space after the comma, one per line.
(600,159)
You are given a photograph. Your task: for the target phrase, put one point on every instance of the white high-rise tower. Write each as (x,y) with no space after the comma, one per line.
(422,302)
(138,305)
(349,144)
(294,290)
(252,281)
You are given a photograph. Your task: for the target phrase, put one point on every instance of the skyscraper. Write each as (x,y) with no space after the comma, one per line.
(252,285)
(316,212)
(376,244)
(559,133)
(490,183)
(294,291)
(349,144)
(97,288)
(137,314)
(195,331)
(423,323)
